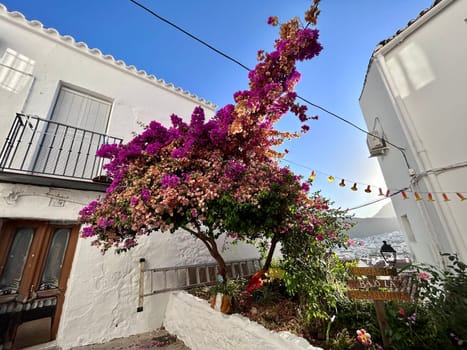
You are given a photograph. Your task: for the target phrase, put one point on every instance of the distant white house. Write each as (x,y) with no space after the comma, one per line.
(414,97)
(59,101)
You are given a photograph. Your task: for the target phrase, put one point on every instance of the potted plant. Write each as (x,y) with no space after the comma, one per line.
(222,295)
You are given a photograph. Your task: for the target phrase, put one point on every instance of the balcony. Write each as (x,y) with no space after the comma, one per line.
(48,153)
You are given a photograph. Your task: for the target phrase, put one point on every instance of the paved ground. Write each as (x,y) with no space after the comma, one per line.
(158,339)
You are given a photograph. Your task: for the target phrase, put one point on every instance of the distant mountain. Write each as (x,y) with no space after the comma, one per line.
(387,211)
(382,222)
(369,246)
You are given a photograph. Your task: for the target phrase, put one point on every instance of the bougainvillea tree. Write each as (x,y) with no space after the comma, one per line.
(218,176)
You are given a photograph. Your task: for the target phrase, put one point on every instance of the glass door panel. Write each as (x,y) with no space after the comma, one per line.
(16,260)
(55,257)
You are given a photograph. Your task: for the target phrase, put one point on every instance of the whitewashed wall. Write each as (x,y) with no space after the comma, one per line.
(416,87)
(102,293)
(203,328)
(61,60)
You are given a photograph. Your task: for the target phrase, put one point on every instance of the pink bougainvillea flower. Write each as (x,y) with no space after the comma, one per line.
(364,337)
(273,20)
(424,276)
(401,311)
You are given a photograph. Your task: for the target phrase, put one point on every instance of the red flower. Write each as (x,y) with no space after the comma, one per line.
(255,282)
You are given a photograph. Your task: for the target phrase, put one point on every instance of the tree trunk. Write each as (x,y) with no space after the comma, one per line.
(267,263)
(211,244)
(221,268)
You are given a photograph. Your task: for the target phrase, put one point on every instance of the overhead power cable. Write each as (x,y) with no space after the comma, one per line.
(230,58)
(190,35)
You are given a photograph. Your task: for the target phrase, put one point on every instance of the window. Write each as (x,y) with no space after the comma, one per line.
(15,71)
(73,136)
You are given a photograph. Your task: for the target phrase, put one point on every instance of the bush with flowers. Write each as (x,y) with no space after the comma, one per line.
(436,319)
(206,178)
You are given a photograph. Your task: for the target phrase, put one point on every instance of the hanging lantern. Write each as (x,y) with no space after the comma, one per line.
(342,183)
(445,197)
(389,254)
(461,196)
(430,197)
(354,187)
(331,178)
(380,192)
(404,195)
(368,189)
(312,175)
(417,196)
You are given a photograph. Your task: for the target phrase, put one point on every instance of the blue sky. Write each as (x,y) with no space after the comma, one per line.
(349,31)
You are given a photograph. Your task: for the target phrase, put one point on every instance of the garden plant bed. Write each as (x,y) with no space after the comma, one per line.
(275,311)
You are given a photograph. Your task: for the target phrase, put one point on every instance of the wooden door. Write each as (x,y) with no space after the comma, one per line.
(35,262)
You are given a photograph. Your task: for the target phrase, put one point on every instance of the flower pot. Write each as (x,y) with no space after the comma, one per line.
(222,303)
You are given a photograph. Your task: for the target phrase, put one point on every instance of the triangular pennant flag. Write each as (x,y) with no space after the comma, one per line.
(445,197)
(430,197)
(417,196)
(368,189)
(331,178)
(404,195)
(354,187)
(461,196)
(312,175)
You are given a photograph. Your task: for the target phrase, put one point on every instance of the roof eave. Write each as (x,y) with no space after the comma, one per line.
(52,34)
(387,45)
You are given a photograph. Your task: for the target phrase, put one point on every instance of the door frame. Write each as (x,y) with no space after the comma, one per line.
(35,263)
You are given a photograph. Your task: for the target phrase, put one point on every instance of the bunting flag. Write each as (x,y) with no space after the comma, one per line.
(418,196)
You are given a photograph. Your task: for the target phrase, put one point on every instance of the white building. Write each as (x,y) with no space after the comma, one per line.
(414,97)
(59,100)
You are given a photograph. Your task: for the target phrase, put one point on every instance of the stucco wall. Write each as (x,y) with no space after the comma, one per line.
(135,96)
(376,102)
(415,86)
(202,328)
(102,292)
(102,295)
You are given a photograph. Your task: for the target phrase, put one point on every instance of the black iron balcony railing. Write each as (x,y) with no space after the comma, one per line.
(35,146)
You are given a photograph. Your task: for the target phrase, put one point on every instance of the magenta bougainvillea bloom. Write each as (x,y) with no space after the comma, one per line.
(221,175)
